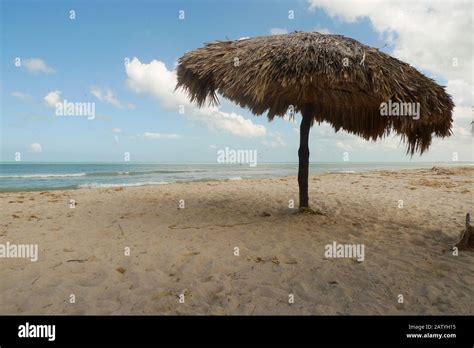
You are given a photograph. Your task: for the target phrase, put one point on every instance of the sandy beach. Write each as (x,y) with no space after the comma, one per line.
(406,220)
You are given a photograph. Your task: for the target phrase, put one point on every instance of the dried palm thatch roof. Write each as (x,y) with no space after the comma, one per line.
(343,81)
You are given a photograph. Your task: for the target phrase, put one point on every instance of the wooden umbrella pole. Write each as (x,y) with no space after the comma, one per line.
(303,155)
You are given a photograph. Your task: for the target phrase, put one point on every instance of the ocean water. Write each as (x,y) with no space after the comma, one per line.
(20,176)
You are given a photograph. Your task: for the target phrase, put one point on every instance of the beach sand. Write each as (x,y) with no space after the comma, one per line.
(191,251)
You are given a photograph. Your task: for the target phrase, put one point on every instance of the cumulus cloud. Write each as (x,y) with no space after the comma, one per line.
(37,65)
(230,122)
(35,148)
(151,135)
(278,31)
(155,79)
(53,98)
(106,95)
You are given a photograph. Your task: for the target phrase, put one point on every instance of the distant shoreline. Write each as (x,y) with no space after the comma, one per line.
(231,177)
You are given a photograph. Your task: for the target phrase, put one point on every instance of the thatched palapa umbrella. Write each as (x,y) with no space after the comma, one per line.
(328,78)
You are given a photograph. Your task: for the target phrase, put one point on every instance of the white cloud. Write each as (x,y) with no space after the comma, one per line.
(344,146)
(53,98)
(35,148)
(274,139)
(392,142)
(462,121)
(155,79)
(322,30)
(116,130)
(213,146)
(462,92)
(230,122)
(37,65)
(20,95)
(151,135)
(106,95)
(278,31)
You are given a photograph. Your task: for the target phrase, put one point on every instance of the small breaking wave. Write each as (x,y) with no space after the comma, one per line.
(134,184)
(41,176)
(235,178)
(115,173)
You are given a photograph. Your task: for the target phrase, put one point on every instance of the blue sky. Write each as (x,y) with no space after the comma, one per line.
(83,59)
